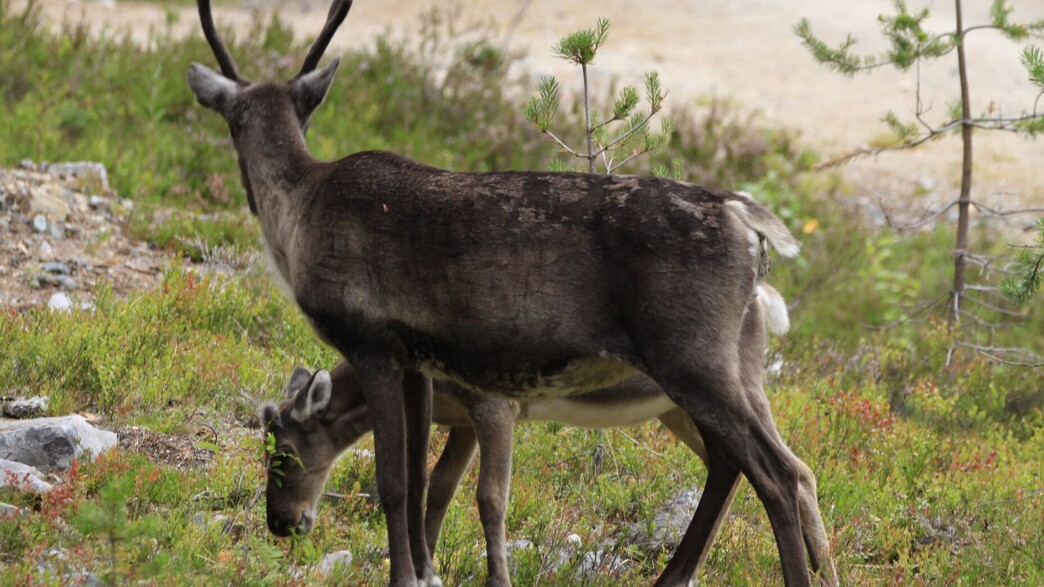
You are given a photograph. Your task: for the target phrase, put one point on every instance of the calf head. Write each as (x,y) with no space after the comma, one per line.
(304,435)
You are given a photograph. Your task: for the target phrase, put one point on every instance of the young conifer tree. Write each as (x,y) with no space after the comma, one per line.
(613,140)
(911,44)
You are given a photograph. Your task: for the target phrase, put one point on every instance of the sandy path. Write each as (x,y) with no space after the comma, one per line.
(744,50)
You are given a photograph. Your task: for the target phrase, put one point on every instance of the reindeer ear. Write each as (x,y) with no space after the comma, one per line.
(267,413)
(310,89)
(315,399)
(212,89)
(299,380)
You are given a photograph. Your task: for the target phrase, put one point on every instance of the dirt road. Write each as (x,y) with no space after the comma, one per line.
(744,50)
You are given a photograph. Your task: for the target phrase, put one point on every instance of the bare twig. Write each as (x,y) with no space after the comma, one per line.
(564,146)
(918,223)
(1033,359)
(1000,123)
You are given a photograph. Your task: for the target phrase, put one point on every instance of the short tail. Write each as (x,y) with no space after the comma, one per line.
(774,309)
(766,224)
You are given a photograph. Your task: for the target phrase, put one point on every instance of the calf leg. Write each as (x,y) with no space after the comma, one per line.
(717,495)
(737,438)
(812,529)
(454,461)
(722,481)
(494,423)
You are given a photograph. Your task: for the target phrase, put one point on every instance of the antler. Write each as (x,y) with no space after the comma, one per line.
(224,59)
(338,11)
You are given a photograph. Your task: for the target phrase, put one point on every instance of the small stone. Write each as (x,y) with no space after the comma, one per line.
(20,409)
(56,232)
(204,519)
(46,252)
(98,202)
(59,302)
(40,223)
(597,562)
(56,267)
(670,523)
(330,562)
(361,453)
(49,200)
(67,282)
(27,164)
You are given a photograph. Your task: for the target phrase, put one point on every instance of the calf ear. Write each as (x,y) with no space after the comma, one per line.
(298,380)
(212,89)
(315,399)
(267,413)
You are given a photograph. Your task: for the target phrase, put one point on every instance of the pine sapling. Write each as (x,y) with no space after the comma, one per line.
(613,140)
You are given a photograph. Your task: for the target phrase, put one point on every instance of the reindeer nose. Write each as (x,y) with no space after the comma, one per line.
(305,525)
(283,527)
(279,528)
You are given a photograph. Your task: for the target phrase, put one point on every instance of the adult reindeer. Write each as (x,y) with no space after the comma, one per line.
(524,284)
(324,413)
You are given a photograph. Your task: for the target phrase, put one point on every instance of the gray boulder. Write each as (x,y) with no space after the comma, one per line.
(82,169)
(12,473)
(51,444)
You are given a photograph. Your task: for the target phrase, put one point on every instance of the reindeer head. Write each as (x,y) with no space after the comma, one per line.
(258,113)
(320,418)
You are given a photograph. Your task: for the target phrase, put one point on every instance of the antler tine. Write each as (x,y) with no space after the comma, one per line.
(338,11)
(224,59)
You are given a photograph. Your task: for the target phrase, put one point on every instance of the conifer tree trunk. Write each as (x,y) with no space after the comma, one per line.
(960,264)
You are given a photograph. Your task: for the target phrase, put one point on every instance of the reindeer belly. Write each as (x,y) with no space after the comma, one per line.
(598,409)
(577,376)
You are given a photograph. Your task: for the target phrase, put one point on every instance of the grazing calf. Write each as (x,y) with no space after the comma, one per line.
(324,414)
(523,284)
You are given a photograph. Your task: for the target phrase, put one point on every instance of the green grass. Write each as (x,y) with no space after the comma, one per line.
(930,472)
(923,476)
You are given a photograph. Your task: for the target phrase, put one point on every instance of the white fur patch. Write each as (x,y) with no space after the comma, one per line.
(777,319)
(772,228)
(590,414)
(317,397)
(279,273)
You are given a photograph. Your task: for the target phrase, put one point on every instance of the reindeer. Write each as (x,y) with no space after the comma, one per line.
(520,284)
(324,413)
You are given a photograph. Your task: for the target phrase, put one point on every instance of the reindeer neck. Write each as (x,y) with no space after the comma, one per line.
(280,171)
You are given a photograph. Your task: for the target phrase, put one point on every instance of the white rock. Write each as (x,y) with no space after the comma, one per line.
(20,409)
(59,302)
